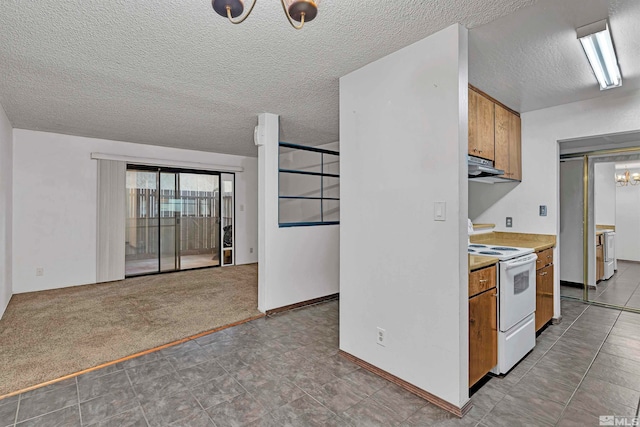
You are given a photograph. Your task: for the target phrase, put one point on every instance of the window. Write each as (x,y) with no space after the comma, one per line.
(309,186)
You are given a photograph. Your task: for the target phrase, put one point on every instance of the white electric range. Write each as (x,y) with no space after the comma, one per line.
(516,302)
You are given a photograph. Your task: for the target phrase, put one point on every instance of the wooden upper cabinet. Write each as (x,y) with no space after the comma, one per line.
(508,149)
(515,152)
(502,140)
(481,126)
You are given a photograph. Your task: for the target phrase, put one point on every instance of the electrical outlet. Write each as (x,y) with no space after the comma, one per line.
(250,250)
(381,337)
(39,271)
(509,222)
(543,210)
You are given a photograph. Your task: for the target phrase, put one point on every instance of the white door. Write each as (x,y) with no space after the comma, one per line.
(517,290)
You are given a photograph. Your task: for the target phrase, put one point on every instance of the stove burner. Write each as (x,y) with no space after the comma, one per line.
(490,253)
(477,246)
(500,248)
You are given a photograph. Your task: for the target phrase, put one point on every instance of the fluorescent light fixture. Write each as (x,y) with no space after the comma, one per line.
(598,46)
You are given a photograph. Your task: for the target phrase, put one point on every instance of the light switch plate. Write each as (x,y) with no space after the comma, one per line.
(439,211)
(543,210)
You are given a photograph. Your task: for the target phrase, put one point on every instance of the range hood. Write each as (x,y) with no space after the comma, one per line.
(482,170)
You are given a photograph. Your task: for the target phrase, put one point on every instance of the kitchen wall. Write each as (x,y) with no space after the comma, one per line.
(605,193)
(541,131)
(296,263)
(628,221)
(54,211)
(6,202)
(403,145)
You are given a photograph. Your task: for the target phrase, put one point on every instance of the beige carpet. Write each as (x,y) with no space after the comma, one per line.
(45,335)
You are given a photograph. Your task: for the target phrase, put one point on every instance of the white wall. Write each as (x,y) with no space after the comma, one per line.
(605,193)
(403,145)
(541,131)
(55,184)
(628,222)
(6,202)
(296,264)
(571,202)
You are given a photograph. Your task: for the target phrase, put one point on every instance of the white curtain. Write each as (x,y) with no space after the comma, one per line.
(111,220)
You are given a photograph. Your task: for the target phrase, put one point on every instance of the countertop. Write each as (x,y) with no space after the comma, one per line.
(477,262)
(483,226)
(537,242)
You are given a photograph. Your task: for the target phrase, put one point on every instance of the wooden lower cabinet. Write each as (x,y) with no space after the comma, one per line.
(599,261)
(483,327)
(544,296)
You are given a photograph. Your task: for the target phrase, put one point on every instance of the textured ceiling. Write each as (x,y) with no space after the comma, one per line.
(532,59)
(174,73)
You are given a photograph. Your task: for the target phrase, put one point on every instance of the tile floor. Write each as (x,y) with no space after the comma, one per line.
(622,289)
(284,371)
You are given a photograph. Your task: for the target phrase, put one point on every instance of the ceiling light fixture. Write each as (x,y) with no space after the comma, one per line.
(296,10)
(627,178)
(598,46)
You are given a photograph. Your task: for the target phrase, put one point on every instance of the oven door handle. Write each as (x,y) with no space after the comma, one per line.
(529,260)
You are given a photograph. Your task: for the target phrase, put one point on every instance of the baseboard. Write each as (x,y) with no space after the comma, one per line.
(455,410)
(572,284)
(4,309)
(302,304)
(556,320)
(576,285)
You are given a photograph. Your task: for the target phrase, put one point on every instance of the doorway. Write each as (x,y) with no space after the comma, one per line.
(599,227)
(174,219)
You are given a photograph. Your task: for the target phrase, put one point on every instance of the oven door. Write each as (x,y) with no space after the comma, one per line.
(517,290)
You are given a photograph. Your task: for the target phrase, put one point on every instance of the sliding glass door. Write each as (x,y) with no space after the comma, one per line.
(169,217)
(142,232)
(173,220)
(200,220)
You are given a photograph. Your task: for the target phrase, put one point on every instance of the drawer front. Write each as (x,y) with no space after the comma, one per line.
(481,280)
(544,258)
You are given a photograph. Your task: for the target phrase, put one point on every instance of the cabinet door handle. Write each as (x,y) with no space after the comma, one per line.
(483,280)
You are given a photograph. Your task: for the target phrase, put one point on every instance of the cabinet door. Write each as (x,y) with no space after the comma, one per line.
(599,262)
(481,126)
(544,296)
(515,147)
(508,143)
(483,335)
(502,146)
